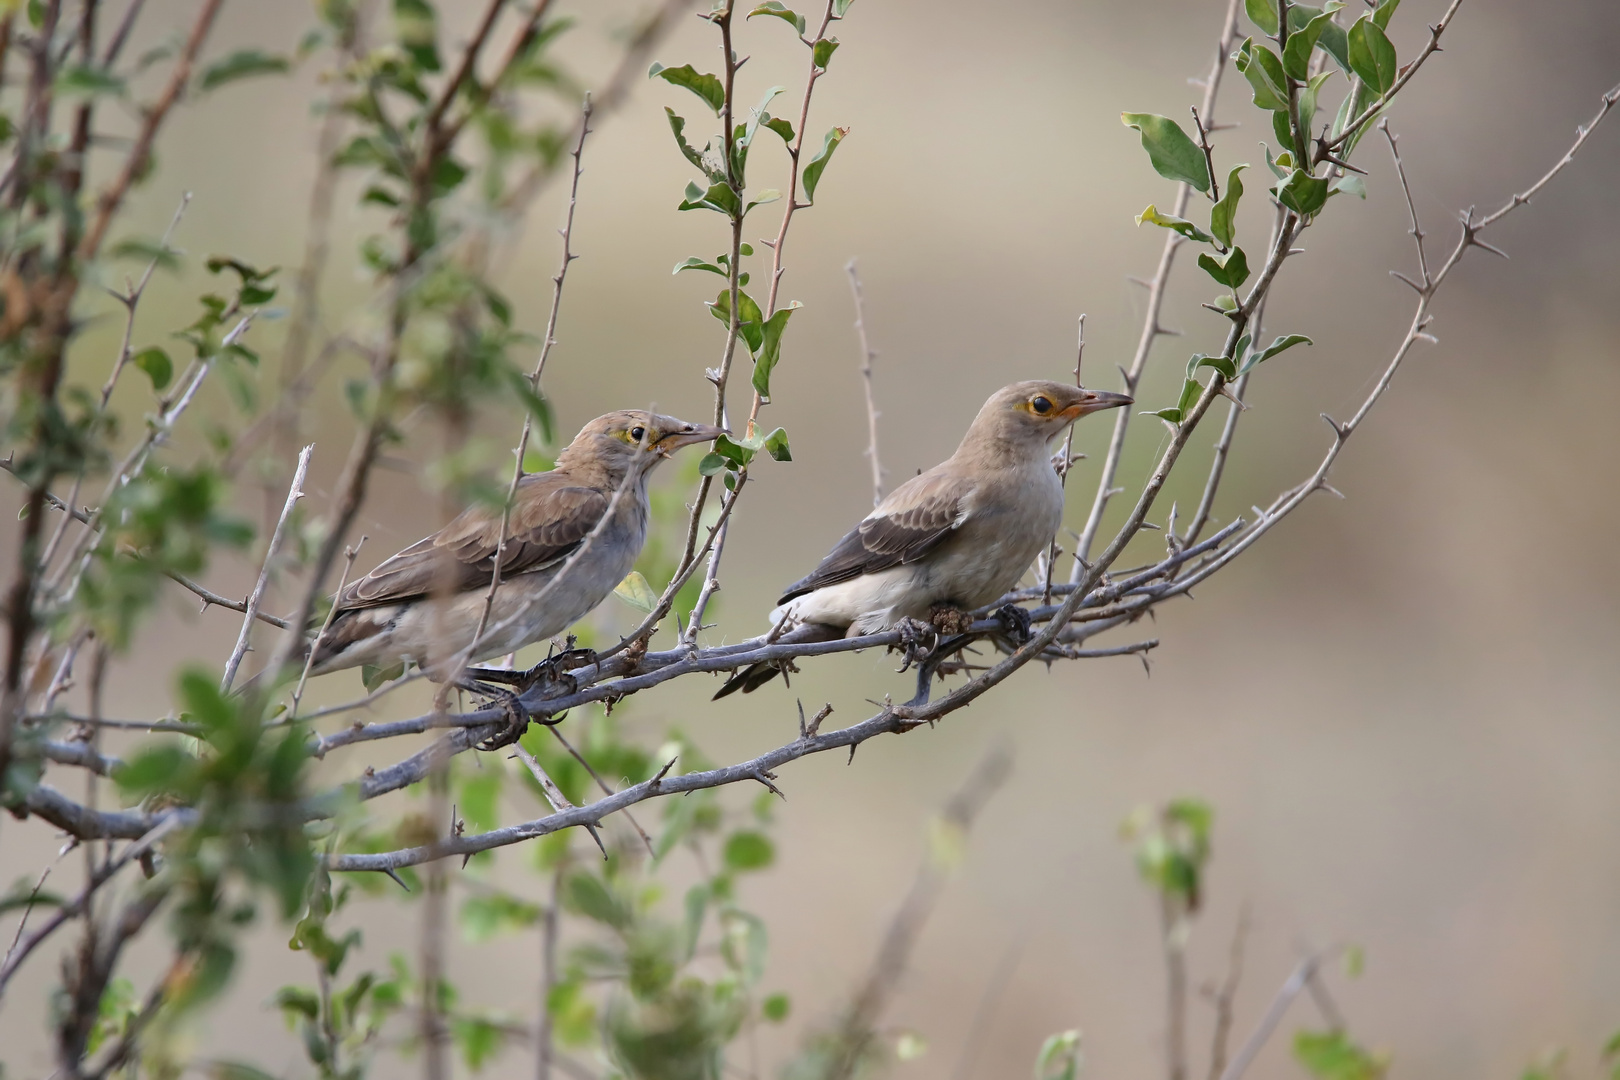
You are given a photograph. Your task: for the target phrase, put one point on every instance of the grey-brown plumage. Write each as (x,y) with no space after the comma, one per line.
(424,603)
(957,536)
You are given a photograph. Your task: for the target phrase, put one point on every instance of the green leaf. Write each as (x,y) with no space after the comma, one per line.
(787,15)
(373,675)
(1336,44)
(635,591)
(770,348)
(157,365)
(1174,155)
(1263,13)
(1384,11)
(1221,215)
(154,770)
(1371,55)
(822,52)
(1331,1055)
(812,171)
(748,850)
(1303,193)
(1225,365)
(677,124)
(758,116)
(243,64)
(1173,223)
(719,198)
(416,24)
(776,445)
(712,463)
(769,195)
(776,1008)
(1350,184)
(780,126)
(748,314)
(692,262)
(1265,73)
(1281,344)
(81,80)
(587,895)
(840,7)
(1059,1058)
(1297,53)
(1231,269)
(707,87)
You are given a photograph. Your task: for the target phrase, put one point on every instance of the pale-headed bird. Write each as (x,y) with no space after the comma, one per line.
(955,537)
(425,603)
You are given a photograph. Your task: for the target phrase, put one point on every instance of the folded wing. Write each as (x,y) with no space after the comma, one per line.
(915,518)
(550,518)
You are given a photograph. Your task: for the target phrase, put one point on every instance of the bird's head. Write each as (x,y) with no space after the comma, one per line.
(1028,415)
(632,441)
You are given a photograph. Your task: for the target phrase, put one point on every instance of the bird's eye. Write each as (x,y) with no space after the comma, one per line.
(1041,405)
(636,433)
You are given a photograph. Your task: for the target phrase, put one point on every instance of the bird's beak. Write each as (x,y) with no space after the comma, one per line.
(1090,401)
(690,435)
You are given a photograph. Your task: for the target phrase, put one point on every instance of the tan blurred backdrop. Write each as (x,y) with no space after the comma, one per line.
(1402,705)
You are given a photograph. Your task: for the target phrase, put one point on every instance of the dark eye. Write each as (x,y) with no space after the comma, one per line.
(1041,405)
(637,432)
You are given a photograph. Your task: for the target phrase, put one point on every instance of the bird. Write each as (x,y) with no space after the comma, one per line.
(425,603)
(950,539)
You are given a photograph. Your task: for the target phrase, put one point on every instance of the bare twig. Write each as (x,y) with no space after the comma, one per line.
(294,493)
(568,256)
(867,356)
(349,555)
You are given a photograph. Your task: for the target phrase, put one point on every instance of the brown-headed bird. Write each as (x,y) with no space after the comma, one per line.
(424,604)
(953,538)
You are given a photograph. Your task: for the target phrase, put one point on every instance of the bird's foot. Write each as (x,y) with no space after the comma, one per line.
(1017,622)
(517,717)
(949,619)
(918,640)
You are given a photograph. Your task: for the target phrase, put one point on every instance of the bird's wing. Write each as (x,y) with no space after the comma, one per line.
(550,518)
(904,527)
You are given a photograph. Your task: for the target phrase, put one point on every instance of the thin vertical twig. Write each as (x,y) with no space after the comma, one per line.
(349,555)
(256,597)
(543,1033)
(867,356)
(568,256)
(1063,466)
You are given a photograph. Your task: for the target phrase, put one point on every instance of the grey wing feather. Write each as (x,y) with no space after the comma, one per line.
(549,519)
(915,518)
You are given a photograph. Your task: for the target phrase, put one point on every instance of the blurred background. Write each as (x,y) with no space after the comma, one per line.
(1401,705)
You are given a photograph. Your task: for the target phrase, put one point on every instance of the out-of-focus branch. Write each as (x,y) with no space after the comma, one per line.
(867,356)
(135,162)
(851,1041)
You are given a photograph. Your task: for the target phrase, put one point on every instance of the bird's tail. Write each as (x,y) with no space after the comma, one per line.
(756,675)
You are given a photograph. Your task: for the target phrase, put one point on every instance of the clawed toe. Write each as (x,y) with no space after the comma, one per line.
(918,640)
(1017,622)
(517,717)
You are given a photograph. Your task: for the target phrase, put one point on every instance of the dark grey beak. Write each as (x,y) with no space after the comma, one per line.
(690,435)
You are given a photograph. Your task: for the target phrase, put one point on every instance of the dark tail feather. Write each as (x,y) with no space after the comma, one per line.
(754,676)
(749,679)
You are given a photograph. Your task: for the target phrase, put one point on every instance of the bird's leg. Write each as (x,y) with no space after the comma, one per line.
(1017,622)
(917,641)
